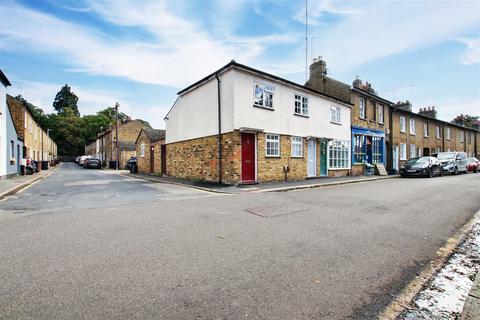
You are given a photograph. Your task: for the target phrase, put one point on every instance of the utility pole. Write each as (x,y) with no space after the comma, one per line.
(306,40)
(116,135)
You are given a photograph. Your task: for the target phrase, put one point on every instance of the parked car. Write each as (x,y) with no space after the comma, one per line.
(473,164)
(130,162)
(93,163)
(82,159)
(453,162)
(421,167)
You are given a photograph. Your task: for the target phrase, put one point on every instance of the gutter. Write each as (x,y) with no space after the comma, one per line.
(219,138)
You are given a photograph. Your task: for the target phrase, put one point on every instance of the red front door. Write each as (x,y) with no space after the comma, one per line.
(248,157)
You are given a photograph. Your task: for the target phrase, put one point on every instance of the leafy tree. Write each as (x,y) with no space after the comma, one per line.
(66,99)
(467,121)
(110,113)
(37,112)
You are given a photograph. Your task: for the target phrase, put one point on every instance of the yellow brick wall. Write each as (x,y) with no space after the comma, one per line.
(143,163)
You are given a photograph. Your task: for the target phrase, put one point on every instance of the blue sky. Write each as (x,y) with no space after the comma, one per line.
(141,53)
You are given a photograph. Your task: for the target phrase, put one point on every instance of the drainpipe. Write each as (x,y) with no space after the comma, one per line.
(390,138)
(219,129)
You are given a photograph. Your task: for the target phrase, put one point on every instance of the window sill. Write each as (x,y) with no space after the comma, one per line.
(296,157)
(273,157)
(362,118)
(402,131)
(301,115)
(262,107)
(381,123)
(336,123)
(412,134)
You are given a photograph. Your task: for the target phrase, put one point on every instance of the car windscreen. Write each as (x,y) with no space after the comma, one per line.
(472,160)
(446,155)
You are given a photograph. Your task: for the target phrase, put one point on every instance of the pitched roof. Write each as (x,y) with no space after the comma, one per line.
(234,64)
(126,145)
(4,79)
(152,134)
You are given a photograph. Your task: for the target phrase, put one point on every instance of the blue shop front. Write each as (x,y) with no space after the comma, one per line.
(368,148)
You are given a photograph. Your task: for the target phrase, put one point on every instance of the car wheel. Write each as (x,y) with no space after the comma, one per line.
(441,172)
(455,171)
(430,173)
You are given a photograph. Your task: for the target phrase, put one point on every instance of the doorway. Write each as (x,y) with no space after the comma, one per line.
(323,158)
(163,158)
(395,158)
(152,159)
(426,152)
(248,157)
(312,158)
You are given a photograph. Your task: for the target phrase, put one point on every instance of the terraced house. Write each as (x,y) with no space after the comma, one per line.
(422,134)
(104,147)
(38,144)
(242,125)
(11,145)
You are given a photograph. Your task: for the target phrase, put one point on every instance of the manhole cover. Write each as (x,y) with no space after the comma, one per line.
(279,210)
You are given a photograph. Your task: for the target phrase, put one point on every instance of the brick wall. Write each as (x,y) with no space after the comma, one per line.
(143,163)
(369,120)
(196,159)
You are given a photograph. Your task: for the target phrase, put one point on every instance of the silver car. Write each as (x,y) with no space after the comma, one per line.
(453,162)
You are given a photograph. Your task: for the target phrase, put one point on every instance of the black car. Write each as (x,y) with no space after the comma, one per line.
(93,164)
(421,167)
(130,162)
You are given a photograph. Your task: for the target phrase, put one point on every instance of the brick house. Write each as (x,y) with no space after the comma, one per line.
(104,147)
(268,129)
(151,151)
(37,143)
(422,134)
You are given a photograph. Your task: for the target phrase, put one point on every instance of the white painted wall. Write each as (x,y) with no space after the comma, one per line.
(3,129)
(194,114)
(282,119)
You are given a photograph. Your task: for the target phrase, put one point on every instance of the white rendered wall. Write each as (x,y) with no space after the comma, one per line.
(195,113)
(282,119)
(3,130)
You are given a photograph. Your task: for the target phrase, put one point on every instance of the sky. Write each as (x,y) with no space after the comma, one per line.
(140,53)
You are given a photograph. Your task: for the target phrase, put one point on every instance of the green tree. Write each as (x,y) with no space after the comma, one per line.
(66,100)
(467,121)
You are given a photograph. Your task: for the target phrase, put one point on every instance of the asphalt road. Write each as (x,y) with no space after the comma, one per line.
(86,244)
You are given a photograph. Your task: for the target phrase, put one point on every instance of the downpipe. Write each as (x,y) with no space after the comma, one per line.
(219,137)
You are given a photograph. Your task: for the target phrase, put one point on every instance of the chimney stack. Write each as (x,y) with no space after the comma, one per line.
(404,105)
(429,112)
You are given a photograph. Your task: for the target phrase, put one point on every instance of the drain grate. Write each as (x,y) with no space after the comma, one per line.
(279,210)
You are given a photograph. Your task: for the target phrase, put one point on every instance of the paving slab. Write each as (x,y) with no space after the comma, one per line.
(12,185)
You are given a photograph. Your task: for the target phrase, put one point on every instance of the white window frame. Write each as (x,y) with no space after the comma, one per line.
(447,134)
(437,132)
(425,129)
(413,151)
(142,150)
(25,119)
(412,126)
(335,115)
(300,105)
(403,151)
(339,154)
(380,110)
(362,108)
(462,136)
(267,96)
(297,147)
(403,124)
(274,141)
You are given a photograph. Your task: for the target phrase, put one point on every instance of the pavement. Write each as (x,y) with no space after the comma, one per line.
(275,186)
(12,185)
(87,244)
(471,310)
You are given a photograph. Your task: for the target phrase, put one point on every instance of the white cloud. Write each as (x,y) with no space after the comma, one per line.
(374,30)
(472,52)
(317,10)
(180,52)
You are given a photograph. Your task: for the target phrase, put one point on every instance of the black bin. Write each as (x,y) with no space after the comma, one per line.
(112,164)
(37,169)
(44,165)
(133,168)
